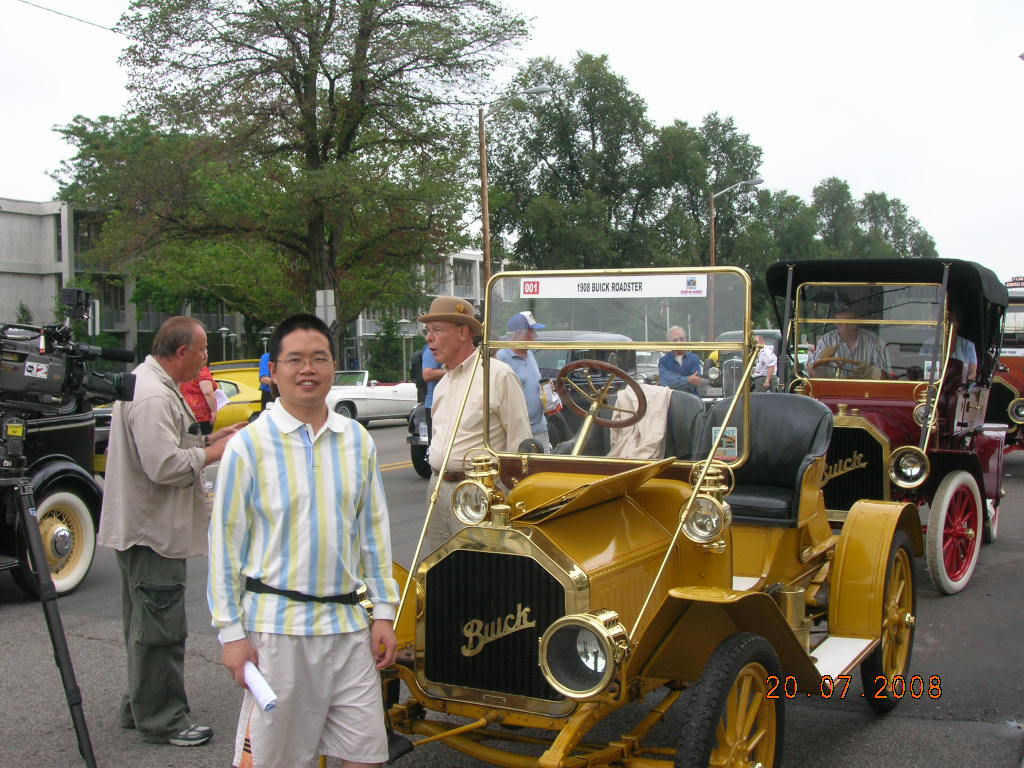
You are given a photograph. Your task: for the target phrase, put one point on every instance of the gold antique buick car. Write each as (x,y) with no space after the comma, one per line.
(670,553)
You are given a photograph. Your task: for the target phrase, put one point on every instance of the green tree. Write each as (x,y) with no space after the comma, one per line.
(24,315)
(837,218)
(323,129)
(586,180)
(385,352)
(569,174)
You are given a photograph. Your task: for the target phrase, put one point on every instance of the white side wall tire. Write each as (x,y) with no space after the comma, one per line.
(954,534)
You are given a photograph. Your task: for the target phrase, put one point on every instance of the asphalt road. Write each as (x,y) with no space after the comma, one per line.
(971,641)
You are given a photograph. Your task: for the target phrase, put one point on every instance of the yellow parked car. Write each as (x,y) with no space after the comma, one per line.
(244,400)
(669,546)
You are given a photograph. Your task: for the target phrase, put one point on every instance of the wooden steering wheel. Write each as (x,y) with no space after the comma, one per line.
(597,396)
(838,362)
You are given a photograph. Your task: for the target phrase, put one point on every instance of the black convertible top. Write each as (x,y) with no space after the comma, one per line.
(974,290)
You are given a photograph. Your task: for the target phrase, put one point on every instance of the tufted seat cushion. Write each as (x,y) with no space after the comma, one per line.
(788,432)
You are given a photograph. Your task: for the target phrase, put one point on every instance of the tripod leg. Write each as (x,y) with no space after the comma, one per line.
(48,598)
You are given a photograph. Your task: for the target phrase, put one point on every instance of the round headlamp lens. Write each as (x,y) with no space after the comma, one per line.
(706,521)
(908,467)
(1016,411)
(470,502)
(911,466)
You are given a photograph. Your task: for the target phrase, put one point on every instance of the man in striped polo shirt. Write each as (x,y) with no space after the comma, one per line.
(299,524)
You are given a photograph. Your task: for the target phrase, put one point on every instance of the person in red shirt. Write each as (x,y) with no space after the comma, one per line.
(199,394)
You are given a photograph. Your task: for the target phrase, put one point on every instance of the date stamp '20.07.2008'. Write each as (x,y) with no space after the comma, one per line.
(838,687)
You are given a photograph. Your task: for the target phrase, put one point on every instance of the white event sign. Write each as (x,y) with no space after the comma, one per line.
(614,287)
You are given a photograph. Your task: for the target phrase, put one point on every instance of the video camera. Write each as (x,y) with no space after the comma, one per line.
(43,371)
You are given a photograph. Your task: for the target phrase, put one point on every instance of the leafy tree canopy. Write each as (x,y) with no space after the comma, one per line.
(323,131)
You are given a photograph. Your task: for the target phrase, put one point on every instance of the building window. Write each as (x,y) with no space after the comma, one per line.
(463,274)
(59,238)
(87,232)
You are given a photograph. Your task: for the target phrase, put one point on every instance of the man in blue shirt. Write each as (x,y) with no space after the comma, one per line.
(266,394)
(680,369)
(432,372)
(524,327)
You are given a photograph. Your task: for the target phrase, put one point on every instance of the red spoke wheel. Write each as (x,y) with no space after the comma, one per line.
(954,532)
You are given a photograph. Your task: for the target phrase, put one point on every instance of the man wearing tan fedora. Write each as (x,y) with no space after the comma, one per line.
(451,327)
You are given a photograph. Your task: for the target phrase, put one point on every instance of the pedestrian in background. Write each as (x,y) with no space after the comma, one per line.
(154,515)
(763,374)
(523,326)
(266,385)
(680,369)
(200,394)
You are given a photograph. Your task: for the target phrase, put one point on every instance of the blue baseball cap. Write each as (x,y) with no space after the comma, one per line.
(524,320)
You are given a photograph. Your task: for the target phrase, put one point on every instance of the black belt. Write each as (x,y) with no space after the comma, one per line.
(254,585)
(451,477)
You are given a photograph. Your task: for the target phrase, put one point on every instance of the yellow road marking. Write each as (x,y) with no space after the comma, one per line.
(396,465)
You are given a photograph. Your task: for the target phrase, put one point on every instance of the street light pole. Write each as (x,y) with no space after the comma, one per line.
(223,342)
(711,205)
(711,260)
(485,213)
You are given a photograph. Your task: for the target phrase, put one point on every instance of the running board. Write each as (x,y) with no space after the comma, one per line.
(838,655)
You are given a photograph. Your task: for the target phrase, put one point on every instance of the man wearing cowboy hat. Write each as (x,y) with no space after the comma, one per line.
(451,327)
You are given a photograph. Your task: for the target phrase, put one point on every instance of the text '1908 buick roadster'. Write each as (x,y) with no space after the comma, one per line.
(672,554)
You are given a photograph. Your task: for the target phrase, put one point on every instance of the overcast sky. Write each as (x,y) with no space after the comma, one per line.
(922,100)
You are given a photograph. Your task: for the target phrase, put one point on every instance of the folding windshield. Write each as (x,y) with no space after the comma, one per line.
(608,335)
(870,331)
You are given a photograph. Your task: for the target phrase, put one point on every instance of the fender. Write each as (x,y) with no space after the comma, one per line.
(861,559)
(692,621)
(60,470)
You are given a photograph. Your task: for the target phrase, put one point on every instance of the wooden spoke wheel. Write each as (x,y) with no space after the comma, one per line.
(891,657)
(729,722)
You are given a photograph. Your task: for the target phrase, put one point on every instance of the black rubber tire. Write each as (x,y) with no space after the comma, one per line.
(418,454)
(344,409)
(875,666)
(65,505)
(704,710)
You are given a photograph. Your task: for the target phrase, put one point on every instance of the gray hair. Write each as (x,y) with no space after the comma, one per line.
(177,331)
(676,328)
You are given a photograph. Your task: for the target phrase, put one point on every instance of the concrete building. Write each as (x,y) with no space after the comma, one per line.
(44,247)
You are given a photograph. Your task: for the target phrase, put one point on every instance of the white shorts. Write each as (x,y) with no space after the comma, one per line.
(328,702)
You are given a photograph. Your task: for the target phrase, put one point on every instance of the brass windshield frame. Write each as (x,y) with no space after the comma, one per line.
(744,346)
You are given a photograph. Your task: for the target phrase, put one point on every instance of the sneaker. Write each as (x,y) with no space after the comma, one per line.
(193,736)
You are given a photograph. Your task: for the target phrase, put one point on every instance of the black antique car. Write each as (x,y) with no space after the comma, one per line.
(45,404)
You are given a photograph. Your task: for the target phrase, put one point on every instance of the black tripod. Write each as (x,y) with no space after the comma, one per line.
(26,506)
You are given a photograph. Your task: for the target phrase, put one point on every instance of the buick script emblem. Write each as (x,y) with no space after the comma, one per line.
(843,466)
(478,634)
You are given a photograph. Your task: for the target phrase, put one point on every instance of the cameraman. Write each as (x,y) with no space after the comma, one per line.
(153,515)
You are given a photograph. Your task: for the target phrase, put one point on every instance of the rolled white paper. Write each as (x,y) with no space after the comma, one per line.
(259,687)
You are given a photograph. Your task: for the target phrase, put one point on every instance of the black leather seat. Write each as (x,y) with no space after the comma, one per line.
(682,434)
(788,433)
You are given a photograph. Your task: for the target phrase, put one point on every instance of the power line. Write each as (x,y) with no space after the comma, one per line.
(69,16)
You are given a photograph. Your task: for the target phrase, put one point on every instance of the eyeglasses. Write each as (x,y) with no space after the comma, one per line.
(319,361)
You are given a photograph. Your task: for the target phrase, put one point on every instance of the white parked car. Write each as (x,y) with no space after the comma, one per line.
(356,396)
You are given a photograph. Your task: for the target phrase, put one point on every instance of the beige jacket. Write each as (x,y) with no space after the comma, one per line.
(153,491)
(509,423)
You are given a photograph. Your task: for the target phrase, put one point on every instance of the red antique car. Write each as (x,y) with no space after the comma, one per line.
(905,352)
(1005,402)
